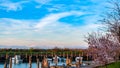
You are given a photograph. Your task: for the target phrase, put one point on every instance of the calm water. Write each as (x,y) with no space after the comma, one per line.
(22,65)
(26,65)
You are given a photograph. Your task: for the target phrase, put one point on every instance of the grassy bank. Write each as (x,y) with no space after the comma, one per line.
(112,65)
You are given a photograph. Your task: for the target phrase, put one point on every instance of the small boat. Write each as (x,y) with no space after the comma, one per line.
(79,59)
(56,58)
(49,60)
(17,59)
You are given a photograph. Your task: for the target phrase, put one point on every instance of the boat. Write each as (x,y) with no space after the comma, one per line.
(79,59)
(17,59)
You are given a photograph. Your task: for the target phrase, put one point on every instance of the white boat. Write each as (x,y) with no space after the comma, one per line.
(17,59)
(79,59)
(49,59)
(57,59)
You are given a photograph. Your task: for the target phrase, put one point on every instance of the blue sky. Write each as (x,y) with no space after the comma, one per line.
(48,23)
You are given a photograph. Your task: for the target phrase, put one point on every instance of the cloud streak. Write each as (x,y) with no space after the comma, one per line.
(50,31)
(53,18)
(48,23)
(12,6)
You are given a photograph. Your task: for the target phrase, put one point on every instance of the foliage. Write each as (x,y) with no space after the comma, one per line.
(112,65)
(105,46)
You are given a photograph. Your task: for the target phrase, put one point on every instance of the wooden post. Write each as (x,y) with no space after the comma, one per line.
(71,54)
(30,62)
(26,56)
(77,65)
(6,56)
(68,61)
(5,65)
(15,59)
(87,57)
(52,54)
(46,54)
(10,63)
(60,54)
(37,62)
(56,60)
(45,63)
(63,54)
(82,54)
(6,60)
(75,53)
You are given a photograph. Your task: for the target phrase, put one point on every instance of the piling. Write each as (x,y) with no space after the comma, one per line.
(63,54)
(6,61)
(5,65)
(71,54)
(87,57)
(15,60)
(52,54)
(10,63)
(68,61)
(82,54)
(45,63)
(75,53)
(77,65)
(30,62)
(37,62)
(7,56)
(79,62)
(56,60)
(26,56)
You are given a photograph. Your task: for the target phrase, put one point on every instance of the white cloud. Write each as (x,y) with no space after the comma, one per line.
(50,31)
(14,6)
(13,26)
(53,18)
(42,2)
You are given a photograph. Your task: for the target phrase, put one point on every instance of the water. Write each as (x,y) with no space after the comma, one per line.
(26,65)
(34,65)
(22,65)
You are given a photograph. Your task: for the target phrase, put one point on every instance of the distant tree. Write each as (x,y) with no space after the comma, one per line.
(31,50)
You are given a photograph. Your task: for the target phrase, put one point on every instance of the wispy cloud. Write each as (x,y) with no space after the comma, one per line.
(53,18)
(13,26)
(42,2)
(52,24)
(45,31)
(14,6)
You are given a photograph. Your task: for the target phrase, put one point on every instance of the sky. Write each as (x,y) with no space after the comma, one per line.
(48,23)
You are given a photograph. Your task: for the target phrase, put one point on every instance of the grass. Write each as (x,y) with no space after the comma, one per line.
(112,65)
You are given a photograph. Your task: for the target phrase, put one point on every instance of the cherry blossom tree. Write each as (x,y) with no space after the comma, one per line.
(103,47)
(111,18)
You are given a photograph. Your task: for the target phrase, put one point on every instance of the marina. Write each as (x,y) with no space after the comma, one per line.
(54,62)
(59,33)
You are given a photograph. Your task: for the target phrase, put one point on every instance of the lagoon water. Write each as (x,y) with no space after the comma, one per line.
(26,65)
(34,64)
(22,65)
